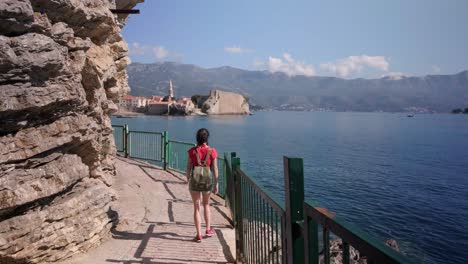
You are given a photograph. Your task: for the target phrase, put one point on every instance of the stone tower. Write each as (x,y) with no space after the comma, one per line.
(171,90)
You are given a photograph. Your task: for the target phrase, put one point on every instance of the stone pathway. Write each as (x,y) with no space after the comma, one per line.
(156,222)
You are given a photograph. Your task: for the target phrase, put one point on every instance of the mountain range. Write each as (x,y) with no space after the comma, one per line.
(431,93)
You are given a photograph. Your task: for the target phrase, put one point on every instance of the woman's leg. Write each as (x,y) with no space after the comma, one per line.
(206,209)
(196,211)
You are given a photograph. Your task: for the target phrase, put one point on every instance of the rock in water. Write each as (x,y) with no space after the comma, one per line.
(62,67)
(393,244)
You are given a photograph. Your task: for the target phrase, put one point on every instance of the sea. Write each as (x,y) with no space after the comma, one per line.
(393,176)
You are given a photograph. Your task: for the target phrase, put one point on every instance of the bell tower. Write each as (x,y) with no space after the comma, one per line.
(171,91)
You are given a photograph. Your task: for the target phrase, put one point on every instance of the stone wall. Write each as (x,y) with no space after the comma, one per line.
(62,67)
(225,103)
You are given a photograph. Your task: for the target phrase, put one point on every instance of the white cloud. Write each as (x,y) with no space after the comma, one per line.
(355,64)
(287,65)
(436,69)
(157,52)
(160,52)
(136,49)
(236,50)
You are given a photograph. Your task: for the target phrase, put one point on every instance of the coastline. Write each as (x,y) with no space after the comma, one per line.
(127,114)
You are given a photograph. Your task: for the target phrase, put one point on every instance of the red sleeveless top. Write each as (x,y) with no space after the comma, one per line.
(202,152)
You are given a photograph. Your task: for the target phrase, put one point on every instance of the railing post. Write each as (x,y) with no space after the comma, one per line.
(233,155)
(294,194)
(311,242)
(166,149)
(126,142)
(225,183)
(235,164)
(230,185)
(169,153)
(233,189)
(238,209)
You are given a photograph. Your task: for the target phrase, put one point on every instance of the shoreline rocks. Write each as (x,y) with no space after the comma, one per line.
(355,257)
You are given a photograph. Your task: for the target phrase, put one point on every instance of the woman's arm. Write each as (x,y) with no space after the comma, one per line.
(189,168)
(214,168)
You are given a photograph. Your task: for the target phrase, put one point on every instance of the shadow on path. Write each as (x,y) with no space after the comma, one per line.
(146,239)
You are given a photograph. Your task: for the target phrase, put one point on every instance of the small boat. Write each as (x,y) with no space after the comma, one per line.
(410,115)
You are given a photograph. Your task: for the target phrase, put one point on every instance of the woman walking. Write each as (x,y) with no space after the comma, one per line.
(200,164)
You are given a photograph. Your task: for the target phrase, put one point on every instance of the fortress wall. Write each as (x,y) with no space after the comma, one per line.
(224,103)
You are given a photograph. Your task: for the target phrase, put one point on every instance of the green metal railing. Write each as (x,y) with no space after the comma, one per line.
(178,155)
(262,219)
(145,145)
(119,137)
(267,230)
(222,182)
(228,183)
(351,236)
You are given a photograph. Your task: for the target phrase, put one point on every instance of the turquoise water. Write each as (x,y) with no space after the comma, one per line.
(393,176)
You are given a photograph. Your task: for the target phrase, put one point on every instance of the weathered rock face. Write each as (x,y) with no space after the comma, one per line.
(62,66)
(225,103)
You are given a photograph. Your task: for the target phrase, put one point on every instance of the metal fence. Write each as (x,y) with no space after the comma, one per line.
(271,231)
(261,221)
(145,145)
(350,236)
(229,183)
(119,137)
(222,181)
(178,155)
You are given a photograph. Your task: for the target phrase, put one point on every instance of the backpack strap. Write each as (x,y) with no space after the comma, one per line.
(207,156)
(198,156)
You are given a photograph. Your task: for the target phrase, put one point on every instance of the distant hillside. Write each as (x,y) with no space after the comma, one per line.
(439,93)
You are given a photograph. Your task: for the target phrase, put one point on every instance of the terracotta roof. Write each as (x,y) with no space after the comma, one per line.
(127,97)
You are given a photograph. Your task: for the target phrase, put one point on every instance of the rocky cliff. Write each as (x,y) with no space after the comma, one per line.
(62,66)
(225,103)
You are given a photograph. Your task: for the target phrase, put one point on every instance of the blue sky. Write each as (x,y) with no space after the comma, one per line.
(349,39)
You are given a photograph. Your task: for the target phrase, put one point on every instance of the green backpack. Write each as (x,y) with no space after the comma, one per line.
(201,175)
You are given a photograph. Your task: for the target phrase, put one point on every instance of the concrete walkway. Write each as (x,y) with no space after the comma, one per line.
(156,222)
